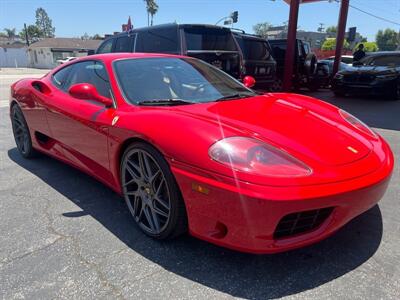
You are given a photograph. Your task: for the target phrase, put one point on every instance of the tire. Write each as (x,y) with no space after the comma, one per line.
(276,86)
(396,93)
(21,133)
(151,192)
(339,94)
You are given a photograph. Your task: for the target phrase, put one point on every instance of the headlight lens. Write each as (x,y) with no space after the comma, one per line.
(360,125)
(253,156)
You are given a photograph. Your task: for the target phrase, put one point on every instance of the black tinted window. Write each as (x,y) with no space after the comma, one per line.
(106,47)
(92,72)
(123,44)
(279,51)
(158,40)
(203,38)
(253,49)
(387,60)
(61,76)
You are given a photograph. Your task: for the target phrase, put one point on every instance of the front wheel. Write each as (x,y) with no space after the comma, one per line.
(151,192)
(21,133)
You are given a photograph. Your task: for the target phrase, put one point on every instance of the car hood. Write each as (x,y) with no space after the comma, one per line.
(372,70)
(305,127)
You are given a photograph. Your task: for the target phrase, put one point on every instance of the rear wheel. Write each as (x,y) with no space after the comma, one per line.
(21,133)
(396,93)
(151,192)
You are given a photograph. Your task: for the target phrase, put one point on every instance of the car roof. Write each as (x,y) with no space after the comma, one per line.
(110,57)
(382,53)
(167,25)
(249,36)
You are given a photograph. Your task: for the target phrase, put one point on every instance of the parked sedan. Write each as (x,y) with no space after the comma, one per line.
(375,74)
(65,60)
(192,149)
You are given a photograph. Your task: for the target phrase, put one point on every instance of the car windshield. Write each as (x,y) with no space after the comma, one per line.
(253,49)
(203,38)
(185,80)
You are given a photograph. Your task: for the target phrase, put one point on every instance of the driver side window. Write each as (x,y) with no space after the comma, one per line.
(92,72)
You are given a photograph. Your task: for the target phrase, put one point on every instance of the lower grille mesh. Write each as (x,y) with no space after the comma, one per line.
(301,222)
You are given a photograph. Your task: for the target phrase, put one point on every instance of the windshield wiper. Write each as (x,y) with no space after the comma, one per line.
(170,101)
(233,96)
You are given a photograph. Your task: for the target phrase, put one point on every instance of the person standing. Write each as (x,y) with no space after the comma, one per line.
(359,54)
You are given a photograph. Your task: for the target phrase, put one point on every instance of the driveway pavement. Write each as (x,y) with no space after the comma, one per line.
(64,235)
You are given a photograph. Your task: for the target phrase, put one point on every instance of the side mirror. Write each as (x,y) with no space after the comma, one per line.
(249,81)
(87,91)
(357,64)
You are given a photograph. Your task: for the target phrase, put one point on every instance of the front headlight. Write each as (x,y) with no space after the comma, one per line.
(360,125)
(386,77)
(253,156)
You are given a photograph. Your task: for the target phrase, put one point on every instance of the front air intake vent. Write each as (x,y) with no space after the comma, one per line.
(301,222)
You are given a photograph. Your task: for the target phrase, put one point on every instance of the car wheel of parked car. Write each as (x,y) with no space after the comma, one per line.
(396,94)
(151,192)
(276,86)
(21,133)
(339,94)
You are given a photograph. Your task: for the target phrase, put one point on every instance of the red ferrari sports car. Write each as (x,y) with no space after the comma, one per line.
(192,149)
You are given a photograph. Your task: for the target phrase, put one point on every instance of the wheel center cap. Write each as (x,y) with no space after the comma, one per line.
(147,190)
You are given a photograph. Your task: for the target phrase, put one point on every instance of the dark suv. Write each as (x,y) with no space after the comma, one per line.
(305,63)
(257,59)
(210,43)
(376,74)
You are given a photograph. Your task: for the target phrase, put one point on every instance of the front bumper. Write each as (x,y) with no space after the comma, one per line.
(244,216)
(376,87)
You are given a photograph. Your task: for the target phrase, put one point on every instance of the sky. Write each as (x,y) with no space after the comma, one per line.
(73,18)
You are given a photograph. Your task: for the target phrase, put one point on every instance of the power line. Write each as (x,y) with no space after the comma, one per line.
(375,16)
(372,15)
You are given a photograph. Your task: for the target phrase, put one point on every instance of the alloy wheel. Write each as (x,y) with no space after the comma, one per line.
(146,191)
(20,130)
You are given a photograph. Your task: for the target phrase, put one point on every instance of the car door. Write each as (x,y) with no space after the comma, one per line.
(81,126)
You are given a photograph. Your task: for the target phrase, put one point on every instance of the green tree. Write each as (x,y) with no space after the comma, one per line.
(34,33)
(44,23)
(152,8)
(387,40)
(10,32)
(368,46)
(330,44)
(96,37)
(85,36)
(261,29)
(331,29)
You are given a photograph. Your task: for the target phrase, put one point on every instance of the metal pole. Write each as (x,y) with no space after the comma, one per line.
(344,9)
(26,35)
(291,44)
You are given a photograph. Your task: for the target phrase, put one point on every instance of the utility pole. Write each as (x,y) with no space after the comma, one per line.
(26,35)
(321,27)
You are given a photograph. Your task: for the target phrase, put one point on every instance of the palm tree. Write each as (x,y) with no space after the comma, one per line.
(152,8)
(11,33)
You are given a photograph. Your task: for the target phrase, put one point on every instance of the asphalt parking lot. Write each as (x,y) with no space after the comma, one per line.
(64,235)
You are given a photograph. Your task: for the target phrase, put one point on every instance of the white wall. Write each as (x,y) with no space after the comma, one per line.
(14,58)
(41,58)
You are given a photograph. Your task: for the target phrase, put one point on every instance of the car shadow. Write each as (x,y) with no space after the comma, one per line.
(237,274)
(373,110)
